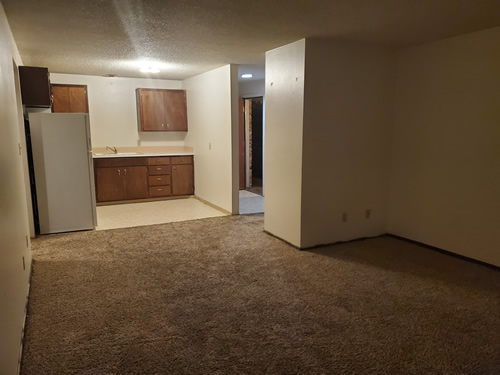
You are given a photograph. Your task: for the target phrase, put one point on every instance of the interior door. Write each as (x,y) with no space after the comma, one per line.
(152,110)
(175,110)
(110,184)
(135,182)
(182,179)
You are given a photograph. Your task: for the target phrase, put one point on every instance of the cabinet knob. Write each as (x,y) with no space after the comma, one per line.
(119,172)
(162,125)
(125,171)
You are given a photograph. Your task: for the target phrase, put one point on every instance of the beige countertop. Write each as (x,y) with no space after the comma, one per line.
(144,151)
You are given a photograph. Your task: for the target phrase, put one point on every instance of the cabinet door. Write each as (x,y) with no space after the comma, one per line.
(135,182)
(109,183)
(35,86)
(78,99)
(151,110)
(69,99)
(175,110)
(60,99)
(182,179)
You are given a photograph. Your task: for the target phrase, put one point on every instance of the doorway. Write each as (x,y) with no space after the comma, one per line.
(251,155)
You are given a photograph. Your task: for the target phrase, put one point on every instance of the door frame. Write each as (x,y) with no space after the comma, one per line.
(244,147)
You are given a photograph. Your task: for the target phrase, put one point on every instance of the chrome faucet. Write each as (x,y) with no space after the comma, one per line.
(114,149)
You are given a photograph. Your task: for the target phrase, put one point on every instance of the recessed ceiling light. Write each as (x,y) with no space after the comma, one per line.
(247,75)
(149,69)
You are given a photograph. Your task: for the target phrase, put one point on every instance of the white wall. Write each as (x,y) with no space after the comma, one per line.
(250,89)
(283,145)
(346,149)
(14,230)
(209,102)
(445,188)
(113,110)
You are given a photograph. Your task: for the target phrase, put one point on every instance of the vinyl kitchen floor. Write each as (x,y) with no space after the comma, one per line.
(148,213)
(251,203)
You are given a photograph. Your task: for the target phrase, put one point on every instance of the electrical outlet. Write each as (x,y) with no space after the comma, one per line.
(368,213)
(344,217)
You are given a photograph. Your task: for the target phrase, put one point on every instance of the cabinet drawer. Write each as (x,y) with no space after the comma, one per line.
(161,160)
(182,160)
(159,170)
(159,191)
(159,180)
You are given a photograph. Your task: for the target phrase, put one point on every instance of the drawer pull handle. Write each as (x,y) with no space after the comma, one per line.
(159,189)
(158,169)
(159,179)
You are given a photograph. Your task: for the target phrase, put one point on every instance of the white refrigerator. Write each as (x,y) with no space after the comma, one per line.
(64,173)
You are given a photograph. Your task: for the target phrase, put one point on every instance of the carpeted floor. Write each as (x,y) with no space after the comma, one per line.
(219,296)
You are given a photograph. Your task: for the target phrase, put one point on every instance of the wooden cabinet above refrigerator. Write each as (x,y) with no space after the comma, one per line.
(35,86)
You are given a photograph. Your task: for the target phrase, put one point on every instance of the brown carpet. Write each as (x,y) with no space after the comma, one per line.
(219,296)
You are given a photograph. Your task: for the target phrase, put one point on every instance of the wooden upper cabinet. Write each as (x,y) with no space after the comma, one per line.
(151,110)
(69,99)
(175,110)
(161,110)
(35,86)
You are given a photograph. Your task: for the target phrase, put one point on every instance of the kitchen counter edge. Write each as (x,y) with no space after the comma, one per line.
(145,155)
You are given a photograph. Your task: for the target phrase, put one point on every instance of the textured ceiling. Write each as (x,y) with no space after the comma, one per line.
(187,37)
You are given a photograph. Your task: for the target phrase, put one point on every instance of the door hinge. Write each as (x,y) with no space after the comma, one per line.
(20,148)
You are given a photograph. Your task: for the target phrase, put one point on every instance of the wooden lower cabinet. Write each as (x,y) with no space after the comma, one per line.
(119,179)
(116,184)
(182,179)
(109,185)
(136,182)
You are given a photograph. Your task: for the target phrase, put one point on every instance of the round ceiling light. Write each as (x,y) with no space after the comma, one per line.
(149,69)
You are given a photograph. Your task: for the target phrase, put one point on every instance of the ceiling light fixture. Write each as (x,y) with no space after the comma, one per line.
(149,69)
(247,75)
